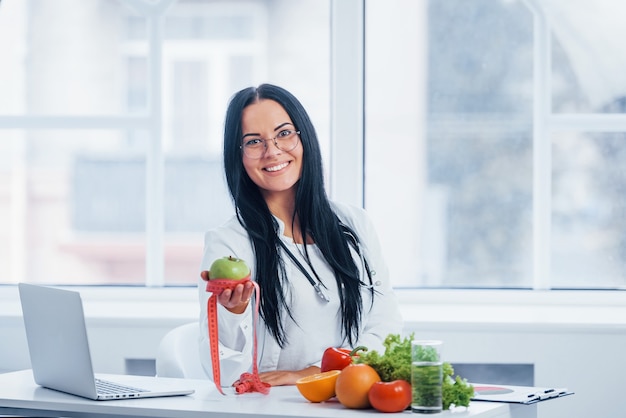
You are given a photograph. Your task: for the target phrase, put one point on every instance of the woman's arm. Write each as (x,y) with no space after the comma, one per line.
(234,313)
(287,377)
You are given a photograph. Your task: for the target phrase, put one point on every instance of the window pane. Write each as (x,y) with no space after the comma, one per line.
(588,211)
(66,63)
(587,53)
(457,167)
(76,207)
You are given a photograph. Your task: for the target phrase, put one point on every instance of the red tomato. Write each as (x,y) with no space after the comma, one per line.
(390,396)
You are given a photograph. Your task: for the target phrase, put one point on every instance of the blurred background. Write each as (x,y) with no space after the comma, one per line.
(494,134)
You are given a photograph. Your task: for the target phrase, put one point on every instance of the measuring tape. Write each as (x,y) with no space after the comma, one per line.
(248,382)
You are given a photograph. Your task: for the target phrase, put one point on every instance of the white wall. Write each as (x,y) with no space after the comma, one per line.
(579,345)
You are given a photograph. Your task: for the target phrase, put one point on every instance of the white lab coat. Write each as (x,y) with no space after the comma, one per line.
(317,323)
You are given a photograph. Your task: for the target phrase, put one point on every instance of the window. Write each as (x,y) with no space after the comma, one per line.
(111,121)
(493,129)
(494,132)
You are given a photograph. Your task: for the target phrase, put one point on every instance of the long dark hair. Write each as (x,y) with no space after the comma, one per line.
(313,210)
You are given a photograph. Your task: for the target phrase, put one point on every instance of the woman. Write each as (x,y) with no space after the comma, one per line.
(301,249)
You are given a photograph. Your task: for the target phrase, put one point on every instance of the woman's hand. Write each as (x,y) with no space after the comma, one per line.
(235,300)
(287,377)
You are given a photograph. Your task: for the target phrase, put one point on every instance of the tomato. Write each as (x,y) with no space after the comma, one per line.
(390,396)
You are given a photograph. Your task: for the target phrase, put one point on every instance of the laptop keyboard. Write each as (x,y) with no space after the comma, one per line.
(109,388)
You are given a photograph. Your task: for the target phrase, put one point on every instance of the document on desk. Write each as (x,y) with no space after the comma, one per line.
(516,394)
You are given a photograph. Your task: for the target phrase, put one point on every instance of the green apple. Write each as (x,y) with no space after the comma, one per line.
(229,268)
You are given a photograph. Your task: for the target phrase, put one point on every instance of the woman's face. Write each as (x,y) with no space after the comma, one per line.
(276,171)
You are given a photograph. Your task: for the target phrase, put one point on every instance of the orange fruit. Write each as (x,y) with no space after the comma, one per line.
(318,387)
(353,385)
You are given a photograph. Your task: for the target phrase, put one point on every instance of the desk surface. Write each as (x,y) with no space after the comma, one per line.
(20,395)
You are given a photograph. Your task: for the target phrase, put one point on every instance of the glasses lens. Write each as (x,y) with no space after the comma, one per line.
(254,151)
(287,141)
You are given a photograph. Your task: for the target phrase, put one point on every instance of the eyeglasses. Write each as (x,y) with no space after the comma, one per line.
(255,147)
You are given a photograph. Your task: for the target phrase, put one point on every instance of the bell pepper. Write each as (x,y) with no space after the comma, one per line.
(338,358)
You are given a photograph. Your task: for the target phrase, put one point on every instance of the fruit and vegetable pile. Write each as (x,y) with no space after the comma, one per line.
(361,379)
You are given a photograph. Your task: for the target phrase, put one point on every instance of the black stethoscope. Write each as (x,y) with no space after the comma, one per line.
(318,286)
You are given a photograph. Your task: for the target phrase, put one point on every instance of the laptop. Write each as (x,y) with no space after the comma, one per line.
(59,350)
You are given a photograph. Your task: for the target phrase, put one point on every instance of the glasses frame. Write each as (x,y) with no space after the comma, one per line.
(294,131)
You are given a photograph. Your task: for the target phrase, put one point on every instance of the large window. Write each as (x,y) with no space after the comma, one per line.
(496,141)
(486,138)
(111,125)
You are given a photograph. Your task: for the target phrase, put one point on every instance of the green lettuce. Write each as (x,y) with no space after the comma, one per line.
(395,364)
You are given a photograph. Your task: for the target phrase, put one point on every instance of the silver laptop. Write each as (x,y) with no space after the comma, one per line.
(59,349)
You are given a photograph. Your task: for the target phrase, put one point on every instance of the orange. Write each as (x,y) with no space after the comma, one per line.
(353,385)
(318,387)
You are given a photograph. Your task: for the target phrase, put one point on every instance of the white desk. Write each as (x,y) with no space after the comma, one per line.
(20,395)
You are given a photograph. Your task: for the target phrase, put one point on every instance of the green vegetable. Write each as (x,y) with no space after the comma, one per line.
(395,364)
(455,390)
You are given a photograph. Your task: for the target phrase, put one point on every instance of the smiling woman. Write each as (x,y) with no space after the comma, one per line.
(313,259)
